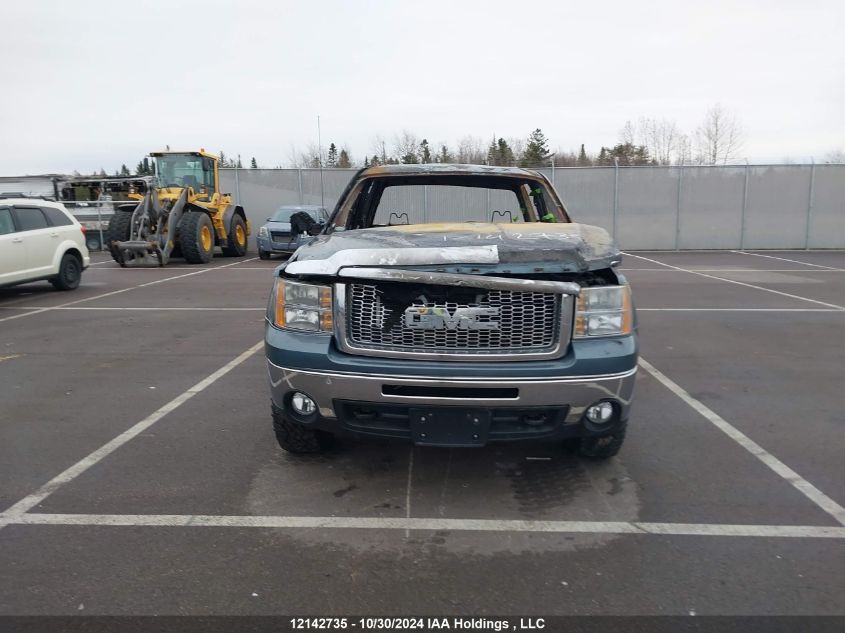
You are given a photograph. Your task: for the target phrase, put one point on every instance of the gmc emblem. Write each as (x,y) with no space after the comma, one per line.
(425,318)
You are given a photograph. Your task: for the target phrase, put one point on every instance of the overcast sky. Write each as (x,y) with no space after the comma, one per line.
(91,83)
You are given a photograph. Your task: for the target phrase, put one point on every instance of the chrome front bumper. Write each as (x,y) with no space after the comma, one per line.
(576,393)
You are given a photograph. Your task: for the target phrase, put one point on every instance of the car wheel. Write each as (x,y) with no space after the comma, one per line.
(298,438)
(603,446)
(262,254)
(70,273)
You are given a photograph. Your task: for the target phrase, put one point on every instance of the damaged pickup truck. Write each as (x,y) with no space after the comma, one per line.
(452,305)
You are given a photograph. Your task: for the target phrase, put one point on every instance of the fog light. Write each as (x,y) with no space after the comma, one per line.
(600,413)
(302,404)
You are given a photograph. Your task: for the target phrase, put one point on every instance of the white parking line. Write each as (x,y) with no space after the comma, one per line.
(738,283)
(117,292)
(431,524)
(30,501)
(784,259)
(802,485)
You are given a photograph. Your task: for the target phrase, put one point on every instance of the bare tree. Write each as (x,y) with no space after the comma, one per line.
(719,136)
(659,136)
(471,150)
(836,156)
(684,153)
(406,147)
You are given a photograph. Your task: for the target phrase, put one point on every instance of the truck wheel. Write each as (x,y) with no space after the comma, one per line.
(196,237)
(297,438)
(262,254)
(603,446)
(70,273)
(236,243)
(120,225)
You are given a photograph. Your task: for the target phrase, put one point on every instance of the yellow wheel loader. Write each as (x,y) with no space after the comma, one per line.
(185,215)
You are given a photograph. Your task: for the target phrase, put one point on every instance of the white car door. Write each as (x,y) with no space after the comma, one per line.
(12,251)
(39,240)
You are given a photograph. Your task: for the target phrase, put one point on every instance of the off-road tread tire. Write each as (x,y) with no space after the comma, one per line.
(119,229)
(603,446)
(189,238)
(298,438)
(70,273)
(232,248)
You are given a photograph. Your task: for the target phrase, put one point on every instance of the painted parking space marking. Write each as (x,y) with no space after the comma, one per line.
(120,291)
(30,501)
(797,481)
(739,283)
(794,261)
(428,524)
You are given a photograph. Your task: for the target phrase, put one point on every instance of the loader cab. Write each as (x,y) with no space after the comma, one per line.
(187,169)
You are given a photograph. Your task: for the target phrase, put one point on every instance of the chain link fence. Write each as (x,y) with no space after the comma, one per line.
(645,208)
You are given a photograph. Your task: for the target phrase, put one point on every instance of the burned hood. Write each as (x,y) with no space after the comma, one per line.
(522,247)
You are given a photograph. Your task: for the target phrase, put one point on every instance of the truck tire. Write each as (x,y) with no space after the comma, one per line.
(298,438)
(196,237)
(70,273)
(236,242)
(119,229)
(603,446)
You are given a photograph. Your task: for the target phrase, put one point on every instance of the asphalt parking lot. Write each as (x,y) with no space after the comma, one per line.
(139,473)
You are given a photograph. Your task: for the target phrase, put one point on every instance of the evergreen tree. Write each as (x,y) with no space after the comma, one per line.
(500,153)
(445,156)
(425,152)
(536,150)
(331,158)
(124,170)
(223,162)
(139,168)
(604,157)
(366,161)
(410,159)
(583,159)
(253,164)
(344,161)
(239,165)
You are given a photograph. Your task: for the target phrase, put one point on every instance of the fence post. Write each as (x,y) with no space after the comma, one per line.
(425,204)
(678,210)
(744,208)
(301,198)
(237,186)
(810,204)
(615,195)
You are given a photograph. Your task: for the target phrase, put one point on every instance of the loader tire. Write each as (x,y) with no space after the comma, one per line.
(236,242)
(196,237)
(118,231)
(298,438)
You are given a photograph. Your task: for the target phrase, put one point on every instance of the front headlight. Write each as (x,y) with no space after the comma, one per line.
(263,232)
(603,311)
(298,306)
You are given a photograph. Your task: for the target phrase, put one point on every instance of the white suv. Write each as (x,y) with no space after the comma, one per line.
(39,239)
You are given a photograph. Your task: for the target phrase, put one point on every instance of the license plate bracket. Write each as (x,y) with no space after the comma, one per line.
(449,426)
